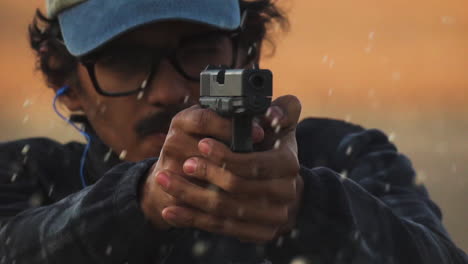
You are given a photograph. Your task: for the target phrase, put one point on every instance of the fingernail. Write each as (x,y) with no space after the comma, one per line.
(190,166)
(204,147)
(169,214)
(163,180)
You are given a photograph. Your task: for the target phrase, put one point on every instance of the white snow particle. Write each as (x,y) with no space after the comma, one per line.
(349,150)
(279,242)
(199,248)
(300,260)
(123,154)
(25,149)
(294,233)
(277,144)
(27,103)
(140,95)
(448,20)
(25,119)
(13,177)
(108,250)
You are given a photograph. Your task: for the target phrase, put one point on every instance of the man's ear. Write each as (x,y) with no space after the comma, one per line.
(70,98)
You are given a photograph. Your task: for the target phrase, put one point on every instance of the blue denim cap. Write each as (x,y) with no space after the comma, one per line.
(89,25)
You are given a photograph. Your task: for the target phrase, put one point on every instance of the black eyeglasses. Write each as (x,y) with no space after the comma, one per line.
(122,71)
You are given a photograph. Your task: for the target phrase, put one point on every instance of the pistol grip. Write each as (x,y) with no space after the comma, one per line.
(242,133)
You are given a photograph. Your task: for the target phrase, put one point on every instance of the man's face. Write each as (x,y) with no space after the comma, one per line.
(137,124)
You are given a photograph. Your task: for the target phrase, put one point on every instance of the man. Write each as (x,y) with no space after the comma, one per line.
(132,69)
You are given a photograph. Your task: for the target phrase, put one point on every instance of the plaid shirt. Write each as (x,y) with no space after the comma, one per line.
(360,205)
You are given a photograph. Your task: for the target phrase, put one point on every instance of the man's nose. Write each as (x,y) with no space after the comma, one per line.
(167,87)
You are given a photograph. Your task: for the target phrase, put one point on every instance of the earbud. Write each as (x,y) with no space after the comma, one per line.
(62,90)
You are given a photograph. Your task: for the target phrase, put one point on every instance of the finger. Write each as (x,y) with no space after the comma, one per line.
(278,190)
(203,121)
(254,165)
(206,122)
(188,217)
(177,148)
(284,111)
(213,201)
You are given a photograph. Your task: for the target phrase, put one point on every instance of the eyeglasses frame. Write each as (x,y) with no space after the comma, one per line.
(89,61)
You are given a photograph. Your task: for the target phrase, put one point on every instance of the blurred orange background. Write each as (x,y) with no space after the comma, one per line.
(400,66)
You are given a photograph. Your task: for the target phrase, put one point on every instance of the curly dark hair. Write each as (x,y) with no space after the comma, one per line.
(58,65)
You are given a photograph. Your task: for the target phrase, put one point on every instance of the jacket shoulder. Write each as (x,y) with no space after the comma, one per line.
(41,148)
(318,140)
(41,161)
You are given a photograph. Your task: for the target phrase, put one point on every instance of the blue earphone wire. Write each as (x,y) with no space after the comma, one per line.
(60,92)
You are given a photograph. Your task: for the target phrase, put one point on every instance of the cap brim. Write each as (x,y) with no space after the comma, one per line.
(90,25)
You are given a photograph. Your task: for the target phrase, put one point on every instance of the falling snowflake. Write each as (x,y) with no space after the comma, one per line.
(274,122)
(396,76)
(25,119)
(277,144)
(279,241)
(277,129)
(27,103)
(348,117)
(186,99)
(387,187)
(13,177)
(25,149)
(294,234)
(51,190)
(300,260)
(140,95)
(199,248)
(325,59)
(107,155)
(109,250)
(349,150)
(36,200)
(343,175)
(123,154)
(448,20)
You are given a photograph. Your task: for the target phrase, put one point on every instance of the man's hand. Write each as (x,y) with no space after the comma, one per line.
(186,129)
(252,196)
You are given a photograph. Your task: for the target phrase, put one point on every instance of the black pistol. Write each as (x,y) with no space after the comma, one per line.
(240,94)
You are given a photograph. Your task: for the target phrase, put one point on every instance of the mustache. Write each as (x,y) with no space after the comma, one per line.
(158,122)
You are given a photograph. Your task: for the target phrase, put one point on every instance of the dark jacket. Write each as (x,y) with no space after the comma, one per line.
(360,205)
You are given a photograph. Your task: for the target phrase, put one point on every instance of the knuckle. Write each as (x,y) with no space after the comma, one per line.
(217,225)
(177,120)
(292,165)
(216,204)
(233,183)
(201,120)
(290,193)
